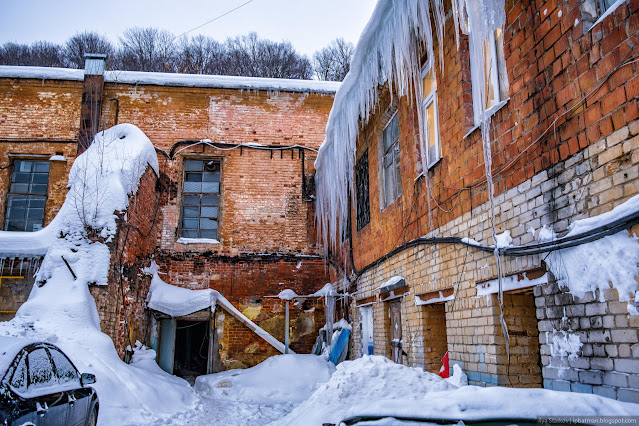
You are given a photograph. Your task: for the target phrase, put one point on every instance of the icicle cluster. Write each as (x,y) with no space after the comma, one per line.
(389,52)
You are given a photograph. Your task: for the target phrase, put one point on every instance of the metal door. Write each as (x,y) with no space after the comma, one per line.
(395,309)
(167,344)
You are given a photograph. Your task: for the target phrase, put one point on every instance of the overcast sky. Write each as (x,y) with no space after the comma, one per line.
(308,25)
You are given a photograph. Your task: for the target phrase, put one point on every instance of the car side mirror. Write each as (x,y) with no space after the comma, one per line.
(87,379)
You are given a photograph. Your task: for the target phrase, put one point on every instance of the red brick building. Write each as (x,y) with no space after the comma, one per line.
(561,93)
(231,210)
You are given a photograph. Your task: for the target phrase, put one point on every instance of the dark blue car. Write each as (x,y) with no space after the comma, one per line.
(41,386)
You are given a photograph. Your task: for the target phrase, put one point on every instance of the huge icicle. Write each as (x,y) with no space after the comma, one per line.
(388,52)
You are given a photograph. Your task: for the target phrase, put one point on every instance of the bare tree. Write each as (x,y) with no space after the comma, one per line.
(201,55)
(86,42)
(15,54)
(148,49)
(333,62)
(251,56)
(45,54)
(39,54)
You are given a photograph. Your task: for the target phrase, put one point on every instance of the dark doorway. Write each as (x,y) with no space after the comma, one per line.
(191,349)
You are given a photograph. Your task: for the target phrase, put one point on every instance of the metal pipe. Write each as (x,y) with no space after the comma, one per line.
(286,331)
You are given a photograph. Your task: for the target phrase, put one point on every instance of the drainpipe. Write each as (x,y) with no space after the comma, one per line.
(286,334)
(92,90)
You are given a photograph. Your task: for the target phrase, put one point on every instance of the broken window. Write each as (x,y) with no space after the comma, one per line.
(391,178)
(200,199)
(27,196)
(495,76)
(361,183)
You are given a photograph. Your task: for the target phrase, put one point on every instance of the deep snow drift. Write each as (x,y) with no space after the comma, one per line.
(361,381)
(281,379)
(61,310)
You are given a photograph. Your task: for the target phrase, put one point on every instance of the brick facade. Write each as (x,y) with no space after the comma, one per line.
(266,234)
(555,161)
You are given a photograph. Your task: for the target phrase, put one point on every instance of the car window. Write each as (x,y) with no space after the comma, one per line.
(19,379)
(40,370)
(65,371)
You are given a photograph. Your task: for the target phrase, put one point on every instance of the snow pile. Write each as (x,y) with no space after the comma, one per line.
(504,239)
(341,324)
(388,52)
(287,294)
(595,265)
(474,403)
(60,308)
(458,378)
(280,379)
(391,282)
(327,290)
(362,381)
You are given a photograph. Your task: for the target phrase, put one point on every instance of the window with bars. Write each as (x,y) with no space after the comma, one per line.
(200,199)
(391,177)
(27,196)
(361,183)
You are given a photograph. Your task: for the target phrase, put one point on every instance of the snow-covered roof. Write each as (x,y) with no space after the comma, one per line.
(41,73)
(221,81)
(177,301)
(175,79)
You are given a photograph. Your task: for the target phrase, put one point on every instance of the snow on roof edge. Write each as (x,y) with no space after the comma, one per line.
(221,81)
(175,79)
(42,73)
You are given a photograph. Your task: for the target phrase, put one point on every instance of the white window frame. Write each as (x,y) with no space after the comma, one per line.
(431,98)
(388,199)
(499,101)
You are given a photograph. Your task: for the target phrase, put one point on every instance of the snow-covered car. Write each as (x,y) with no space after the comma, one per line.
(41,386)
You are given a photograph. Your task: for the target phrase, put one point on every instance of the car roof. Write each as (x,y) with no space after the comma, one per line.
(476,403)
(9,348)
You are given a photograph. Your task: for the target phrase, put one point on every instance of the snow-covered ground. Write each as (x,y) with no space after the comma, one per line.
(307,390)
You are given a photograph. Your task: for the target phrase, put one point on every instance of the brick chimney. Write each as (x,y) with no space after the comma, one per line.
(94,66)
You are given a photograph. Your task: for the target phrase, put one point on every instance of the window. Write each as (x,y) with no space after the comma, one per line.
(27,196)
(65,371)
(495,77)
(40,370)
(430,121)
(391,178)
(200,199)
(605,5)
(361,183)
(19,379)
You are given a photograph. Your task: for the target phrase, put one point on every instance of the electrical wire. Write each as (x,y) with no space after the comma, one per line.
(225,146)
(518,251)
(214,19)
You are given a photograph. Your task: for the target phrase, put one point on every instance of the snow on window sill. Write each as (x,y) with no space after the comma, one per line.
(608,12)
(490,112)
(197,241)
